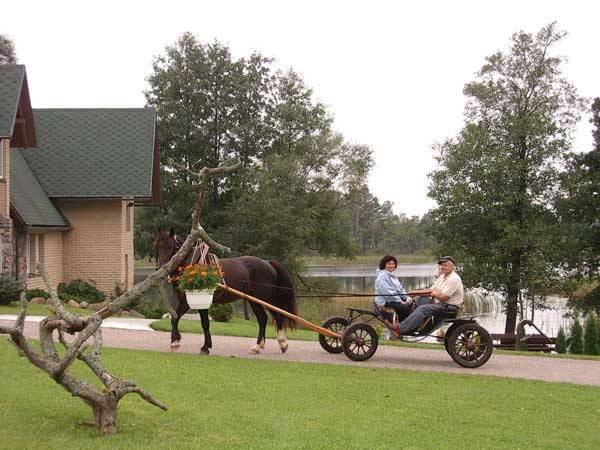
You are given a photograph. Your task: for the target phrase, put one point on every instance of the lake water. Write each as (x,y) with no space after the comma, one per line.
(487,306)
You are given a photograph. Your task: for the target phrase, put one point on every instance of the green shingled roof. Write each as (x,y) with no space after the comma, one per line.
(28,198)
(11,82)
(93,152)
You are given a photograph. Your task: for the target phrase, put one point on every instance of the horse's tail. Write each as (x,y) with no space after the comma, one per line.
(285,296)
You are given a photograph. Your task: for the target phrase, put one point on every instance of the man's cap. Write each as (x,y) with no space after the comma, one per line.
(446,258)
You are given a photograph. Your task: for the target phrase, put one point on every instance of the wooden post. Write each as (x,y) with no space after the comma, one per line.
(300,320)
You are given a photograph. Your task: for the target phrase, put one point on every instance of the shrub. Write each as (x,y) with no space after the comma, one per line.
(590,341)
(221,313)
(31,293)
(576,345)
(151,313)
(10,289)
(118,290)
(81,291)
(561,341)
(598,333)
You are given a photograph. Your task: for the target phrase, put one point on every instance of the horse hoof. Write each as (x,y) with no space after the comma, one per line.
(262,345)
(284,349)
(175,345)
(254,350)
(204,351)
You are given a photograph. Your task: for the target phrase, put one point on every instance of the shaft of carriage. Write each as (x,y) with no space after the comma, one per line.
(305,323)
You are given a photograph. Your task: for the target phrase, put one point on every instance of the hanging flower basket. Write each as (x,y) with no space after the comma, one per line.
(199,298)
(199,282)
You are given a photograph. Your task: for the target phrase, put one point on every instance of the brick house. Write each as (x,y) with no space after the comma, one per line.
(69,182)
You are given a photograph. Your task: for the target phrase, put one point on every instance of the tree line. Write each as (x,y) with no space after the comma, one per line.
(302,189)
(516,203)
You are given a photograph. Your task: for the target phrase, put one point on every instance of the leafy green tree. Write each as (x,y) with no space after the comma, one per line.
(576,345)
(561,341)
(578,206)
(590,342)
(496,180)
(211,108)
(7,50)
(290,206)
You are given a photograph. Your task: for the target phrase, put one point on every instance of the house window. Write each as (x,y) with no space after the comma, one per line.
(41,249)
(126,272)
(2,158)
(31,253)
(128,212)
(36,252)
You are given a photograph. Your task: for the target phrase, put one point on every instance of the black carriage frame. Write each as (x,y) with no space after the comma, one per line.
(467,342)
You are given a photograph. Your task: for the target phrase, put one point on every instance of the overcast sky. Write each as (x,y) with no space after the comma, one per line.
(392,73)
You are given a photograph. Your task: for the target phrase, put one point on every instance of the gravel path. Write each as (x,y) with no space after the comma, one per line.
(533,368)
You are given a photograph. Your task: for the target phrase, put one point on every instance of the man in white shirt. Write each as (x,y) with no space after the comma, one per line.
(446,294)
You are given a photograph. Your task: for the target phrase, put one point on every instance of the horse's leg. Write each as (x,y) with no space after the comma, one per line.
(180,310)
(261,317)
(205,349)
(281,337)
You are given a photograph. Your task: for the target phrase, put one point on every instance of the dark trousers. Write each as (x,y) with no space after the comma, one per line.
(402,310)
(426,308)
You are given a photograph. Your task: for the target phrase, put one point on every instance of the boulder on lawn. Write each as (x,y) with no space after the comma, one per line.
(73,304)
(97,306)
(84,305)
(137,315)
(38,301)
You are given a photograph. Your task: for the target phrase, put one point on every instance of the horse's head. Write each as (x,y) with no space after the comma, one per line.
(166,243)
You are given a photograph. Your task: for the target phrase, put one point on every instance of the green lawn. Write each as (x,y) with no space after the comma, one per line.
(225,403)
(38,310)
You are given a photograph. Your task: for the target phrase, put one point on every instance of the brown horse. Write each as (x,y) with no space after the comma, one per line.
(267,280)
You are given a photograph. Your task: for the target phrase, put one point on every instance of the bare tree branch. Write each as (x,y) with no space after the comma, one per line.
(103,403)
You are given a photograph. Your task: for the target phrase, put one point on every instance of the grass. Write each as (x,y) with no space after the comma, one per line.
(225,403)
(38,310)
(143,263)
(409,258)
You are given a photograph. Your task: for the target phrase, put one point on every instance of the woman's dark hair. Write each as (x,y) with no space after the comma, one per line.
(386,259)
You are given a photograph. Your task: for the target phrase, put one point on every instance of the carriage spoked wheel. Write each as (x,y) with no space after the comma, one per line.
(470,345)
(337,325)
(360,341)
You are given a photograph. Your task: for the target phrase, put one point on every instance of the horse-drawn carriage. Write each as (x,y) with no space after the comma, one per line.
(467,342)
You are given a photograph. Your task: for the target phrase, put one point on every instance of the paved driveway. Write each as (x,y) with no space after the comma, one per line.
(529,367)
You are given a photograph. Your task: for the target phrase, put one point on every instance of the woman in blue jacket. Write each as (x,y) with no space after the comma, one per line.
(388,289)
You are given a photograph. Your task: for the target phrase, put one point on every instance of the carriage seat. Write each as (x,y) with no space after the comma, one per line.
(439,315)
(386,312)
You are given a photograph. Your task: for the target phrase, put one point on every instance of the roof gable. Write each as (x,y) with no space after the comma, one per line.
(16,118)
(28,198)
(94,153)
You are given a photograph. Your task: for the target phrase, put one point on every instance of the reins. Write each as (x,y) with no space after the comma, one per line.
(323,293)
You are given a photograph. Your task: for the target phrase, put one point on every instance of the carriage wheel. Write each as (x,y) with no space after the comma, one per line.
(470,345)
(337,325)
(360,341)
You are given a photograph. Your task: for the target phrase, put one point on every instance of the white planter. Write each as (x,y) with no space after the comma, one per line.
(199,299)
